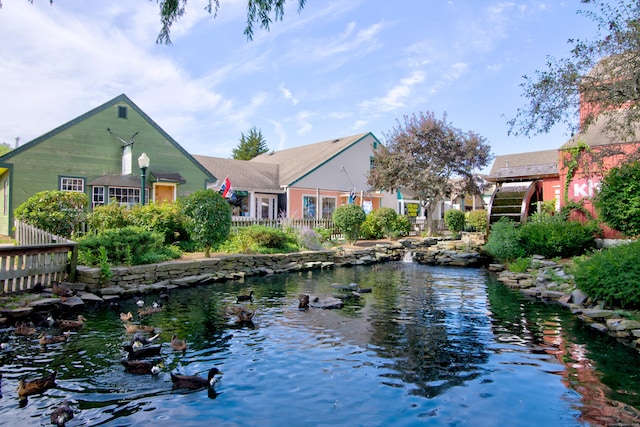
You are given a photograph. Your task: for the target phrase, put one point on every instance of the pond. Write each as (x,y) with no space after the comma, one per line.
(429,345)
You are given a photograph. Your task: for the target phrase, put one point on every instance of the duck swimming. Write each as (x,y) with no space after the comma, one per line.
(242,298)
(61,414)
(242,313)
(133,328)
(194,382)
(141,367)
(24,329)
(178,344)
(44,340)
(67,325)
(125,317)
(39,385)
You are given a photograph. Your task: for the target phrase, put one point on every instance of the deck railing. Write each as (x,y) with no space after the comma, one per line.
(39,257)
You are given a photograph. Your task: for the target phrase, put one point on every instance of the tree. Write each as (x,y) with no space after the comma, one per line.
(431,158)
(208,217)
(603,74)
(58,212)
(618,200)
(349,218)
(250,146)
(262,12)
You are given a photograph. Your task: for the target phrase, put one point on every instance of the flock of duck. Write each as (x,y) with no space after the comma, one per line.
(140,349)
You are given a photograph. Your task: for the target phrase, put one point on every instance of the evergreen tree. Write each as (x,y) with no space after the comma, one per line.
(250,145)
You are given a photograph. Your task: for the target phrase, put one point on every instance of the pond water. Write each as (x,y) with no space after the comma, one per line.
(429,345)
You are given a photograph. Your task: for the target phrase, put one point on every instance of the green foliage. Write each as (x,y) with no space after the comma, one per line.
(207,217)
(618,200)
(552,236)
(165,218)
(454,219)
(58,212)
(520,265)
(348,218)
(260,239)
(104,264)
(401,227)
(113,215)
(477,220)
(611,275)
(384,222)
(504,242)
(250,146)
(124,246)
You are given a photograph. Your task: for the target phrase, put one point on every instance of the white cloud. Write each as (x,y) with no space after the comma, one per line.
(287,94)
(395,97)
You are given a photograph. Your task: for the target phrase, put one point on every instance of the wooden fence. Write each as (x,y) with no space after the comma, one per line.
(284,223)
(39,257)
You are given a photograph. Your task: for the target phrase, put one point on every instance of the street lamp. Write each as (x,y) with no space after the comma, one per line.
(143,163)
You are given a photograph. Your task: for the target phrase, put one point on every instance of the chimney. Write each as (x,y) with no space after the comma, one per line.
(17,141)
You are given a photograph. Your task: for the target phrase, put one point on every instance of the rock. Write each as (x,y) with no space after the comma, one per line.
(88,297)
(45,303)
(326,303)
(73,302)
(578,297)
(15,313)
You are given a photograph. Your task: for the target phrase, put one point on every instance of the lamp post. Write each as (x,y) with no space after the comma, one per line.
(143,163)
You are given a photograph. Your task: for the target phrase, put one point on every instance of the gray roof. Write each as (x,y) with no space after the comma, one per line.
(297,162)
(244,175)
(597,135)
(536,164)
(116,180)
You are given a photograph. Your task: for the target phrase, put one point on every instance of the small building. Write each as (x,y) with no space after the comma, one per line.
(97,154)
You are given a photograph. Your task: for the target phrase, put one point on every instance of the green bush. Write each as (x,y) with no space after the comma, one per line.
(618,200)
(551,236)
(520,265)
(611,275)
(477,220)
(454,220)
(113,215)
(348,218)
(207,217)
(58,212)
(165,218)
(504,242)
(401,227)
(124,246)
(260,239)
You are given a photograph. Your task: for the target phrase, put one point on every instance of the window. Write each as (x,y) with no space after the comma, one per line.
(328,206)
(72,184)
(372,162)
(125,196)
(308,206)
(122,112)
(97,197)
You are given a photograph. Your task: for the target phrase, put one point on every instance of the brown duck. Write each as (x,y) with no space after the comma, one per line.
(61,414)
(178,344)
(68,325)
(194,382)
(25,329)
(44,340)
(39,385)
(132,328)
(141,367)
(125,317)
(242,313)
(148,310)
(61,290)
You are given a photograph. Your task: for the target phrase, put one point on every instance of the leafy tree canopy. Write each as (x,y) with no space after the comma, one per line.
(58,212)
(208,217)
(603,71)
(431,158)
(250,145)
(618,200)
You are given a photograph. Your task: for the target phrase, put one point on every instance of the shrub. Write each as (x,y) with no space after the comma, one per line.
(348,218)
(207,217)
(504,242)
(552,236)
(454,220)
(124,246)
(113,215)
(166,219)
(260,239)
(520,265)
(58,212)
(370,229)
(402,226)
(611,275)
(477,220)
(617,199)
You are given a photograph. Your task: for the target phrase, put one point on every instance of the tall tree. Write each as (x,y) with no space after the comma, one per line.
(250,146)
(431,158)
(602,74)
(262,12)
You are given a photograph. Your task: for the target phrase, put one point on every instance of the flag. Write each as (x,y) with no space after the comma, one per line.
(225,189)
(352,196)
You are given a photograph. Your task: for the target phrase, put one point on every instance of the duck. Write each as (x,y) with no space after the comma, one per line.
(125,317)
(148,310)
(178,344)
(242,298)
(39,385)
(195,382)
(157,303)
(303,301)
(141,340)
(141,367)
(114,305)
(61,414)
(25,329)
(139,302)
(241,313)
(44,340)
(132,328)
(61,290)
(67,325)
(37,288)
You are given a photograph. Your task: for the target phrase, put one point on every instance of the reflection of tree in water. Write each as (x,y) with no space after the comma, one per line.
(429,327)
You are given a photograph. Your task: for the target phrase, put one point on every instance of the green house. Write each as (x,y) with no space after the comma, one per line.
(98,154)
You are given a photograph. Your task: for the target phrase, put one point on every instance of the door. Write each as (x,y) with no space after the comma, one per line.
(164,193)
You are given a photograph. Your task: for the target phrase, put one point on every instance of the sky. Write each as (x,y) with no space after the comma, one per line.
(334,69)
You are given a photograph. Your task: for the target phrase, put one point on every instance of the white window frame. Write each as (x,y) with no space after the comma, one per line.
(72,183)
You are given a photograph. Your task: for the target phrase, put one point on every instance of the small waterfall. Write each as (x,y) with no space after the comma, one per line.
(408,257)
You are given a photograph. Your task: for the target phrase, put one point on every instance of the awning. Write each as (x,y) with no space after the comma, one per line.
(118,181)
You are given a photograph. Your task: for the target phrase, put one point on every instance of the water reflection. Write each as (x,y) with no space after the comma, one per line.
(436,345)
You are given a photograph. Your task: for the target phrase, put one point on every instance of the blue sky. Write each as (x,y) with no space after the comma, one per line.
(337,68)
